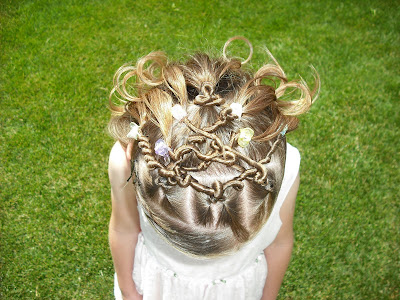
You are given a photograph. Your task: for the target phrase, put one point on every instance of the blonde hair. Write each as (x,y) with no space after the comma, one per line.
(191,220)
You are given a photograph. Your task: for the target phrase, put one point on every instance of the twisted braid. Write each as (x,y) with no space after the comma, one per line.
(218,152)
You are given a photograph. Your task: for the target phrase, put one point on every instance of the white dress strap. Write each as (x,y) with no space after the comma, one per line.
(292,166)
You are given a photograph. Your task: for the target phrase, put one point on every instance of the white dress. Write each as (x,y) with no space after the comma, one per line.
(163,272)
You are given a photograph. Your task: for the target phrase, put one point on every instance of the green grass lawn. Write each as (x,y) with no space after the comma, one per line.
(57,63)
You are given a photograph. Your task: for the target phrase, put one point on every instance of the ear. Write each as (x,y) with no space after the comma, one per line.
(128,152)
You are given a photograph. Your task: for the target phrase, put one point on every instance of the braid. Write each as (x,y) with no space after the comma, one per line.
(176,173)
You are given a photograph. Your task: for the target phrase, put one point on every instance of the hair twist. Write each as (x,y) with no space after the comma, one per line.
(207,97)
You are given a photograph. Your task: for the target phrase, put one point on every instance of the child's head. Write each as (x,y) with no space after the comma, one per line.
(204,181)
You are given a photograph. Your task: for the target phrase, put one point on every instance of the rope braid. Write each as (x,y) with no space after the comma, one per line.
(220,153)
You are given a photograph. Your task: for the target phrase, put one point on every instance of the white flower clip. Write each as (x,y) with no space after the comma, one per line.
(237,109)
(178,112)
(134,133)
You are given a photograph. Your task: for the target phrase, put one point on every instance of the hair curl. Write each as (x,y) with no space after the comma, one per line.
(190,220)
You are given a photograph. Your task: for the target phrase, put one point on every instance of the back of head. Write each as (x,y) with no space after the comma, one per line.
(214,186)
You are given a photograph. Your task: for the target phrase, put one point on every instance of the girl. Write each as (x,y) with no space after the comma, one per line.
(203,183)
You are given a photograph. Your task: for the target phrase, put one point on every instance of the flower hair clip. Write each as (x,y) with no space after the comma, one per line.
(134,132)
(162,149)
(245,135)
(237,109)
(178,112)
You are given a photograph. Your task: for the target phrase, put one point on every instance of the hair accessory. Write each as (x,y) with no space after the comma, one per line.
(245,135)
(270,186)
(161,149)
(178,112)
(237,109)
(283,132)
(134,132)
(133,172)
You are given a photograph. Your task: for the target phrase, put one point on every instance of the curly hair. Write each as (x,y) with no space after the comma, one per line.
(188,215)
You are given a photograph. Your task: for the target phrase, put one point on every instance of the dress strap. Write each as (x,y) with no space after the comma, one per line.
(292,167)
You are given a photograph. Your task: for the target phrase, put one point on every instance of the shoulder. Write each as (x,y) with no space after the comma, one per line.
(119,167)
(124,215)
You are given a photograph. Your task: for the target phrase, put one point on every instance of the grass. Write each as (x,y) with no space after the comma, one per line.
(57,62)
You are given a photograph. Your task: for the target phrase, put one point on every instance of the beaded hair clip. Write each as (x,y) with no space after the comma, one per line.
(168,161)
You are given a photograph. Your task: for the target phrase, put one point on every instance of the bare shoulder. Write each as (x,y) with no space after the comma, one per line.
(124,215)
(119,167)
